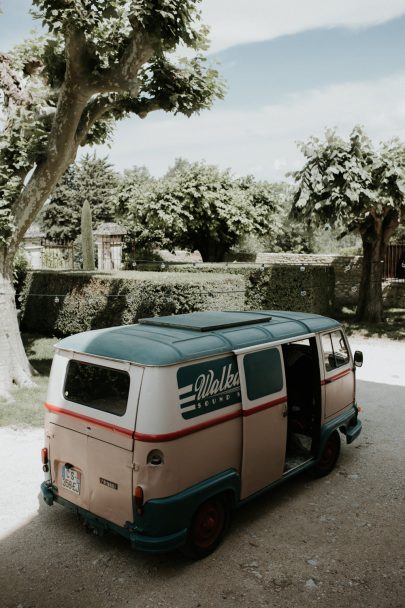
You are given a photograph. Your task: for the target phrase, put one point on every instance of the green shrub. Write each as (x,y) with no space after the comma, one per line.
(21,268)
(63,303)
(279,287)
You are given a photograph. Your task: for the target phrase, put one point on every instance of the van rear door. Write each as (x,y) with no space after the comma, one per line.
(92,407)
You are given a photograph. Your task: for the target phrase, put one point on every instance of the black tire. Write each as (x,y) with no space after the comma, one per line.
(209,524)
(329,456)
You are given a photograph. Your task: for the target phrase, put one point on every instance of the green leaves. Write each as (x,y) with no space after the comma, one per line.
(108,25)
(91,180)
(184,88)
(102,60)
(342,181)
(196,206)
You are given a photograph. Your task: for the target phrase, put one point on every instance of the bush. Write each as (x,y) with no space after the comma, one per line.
(280,287)
(20,271)
(63,303)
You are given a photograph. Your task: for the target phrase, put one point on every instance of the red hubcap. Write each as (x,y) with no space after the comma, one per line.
(208,523)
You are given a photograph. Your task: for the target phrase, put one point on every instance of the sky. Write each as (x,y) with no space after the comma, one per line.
(293,68)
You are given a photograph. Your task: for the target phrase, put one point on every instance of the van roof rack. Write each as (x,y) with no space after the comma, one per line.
(208,321)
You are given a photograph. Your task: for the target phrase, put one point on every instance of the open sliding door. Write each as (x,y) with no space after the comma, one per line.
(264,409)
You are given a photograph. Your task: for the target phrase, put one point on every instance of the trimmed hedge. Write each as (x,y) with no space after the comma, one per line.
(303,288)
(63,303)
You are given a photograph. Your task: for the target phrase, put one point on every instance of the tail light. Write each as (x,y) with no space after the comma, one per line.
(44,455)
(44,458)
(138,495)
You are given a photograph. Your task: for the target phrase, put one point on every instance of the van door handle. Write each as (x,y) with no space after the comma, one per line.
(285,410)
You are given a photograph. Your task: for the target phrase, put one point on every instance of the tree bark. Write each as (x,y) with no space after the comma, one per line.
(212,251)
(370,304)
(375,233)
(14,365)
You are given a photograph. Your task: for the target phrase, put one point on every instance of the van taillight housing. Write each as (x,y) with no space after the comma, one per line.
(44,458)
(138,495)
(44,455)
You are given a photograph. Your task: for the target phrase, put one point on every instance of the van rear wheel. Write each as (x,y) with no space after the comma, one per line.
(209,524)
(329,456)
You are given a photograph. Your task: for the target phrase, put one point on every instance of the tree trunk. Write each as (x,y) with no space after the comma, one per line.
(370,303)
(62,149)
(14,365)
(212,251)
(375,233)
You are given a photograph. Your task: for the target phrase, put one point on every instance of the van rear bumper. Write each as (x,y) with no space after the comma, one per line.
(150,544)
(158,544)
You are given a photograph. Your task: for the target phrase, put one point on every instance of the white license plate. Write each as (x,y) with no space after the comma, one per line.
(71,480)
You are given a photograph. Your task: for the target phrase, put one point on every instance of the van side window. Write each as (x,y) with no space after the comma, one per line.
(98,387)
(335,353)
(263,373)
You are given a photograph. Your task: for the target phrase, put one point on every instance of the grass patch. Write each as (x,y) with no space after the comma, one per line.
(27,409)
(393,326)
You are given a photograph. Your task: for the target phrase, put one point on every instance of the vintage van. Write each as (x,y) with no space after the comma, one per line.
(158,430)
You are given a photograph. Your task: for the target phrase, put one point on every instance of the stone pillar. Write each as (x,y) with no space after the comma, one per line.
(33,247)
(34,255)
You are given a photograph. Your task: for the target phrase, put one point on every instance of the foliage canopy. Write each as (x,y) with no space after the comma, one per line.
(102,61)
(351,184)
(91,179)
(197,206)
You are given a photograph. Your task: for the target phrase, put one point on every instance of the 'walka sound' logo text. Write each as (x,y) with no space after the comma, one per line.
(206,387)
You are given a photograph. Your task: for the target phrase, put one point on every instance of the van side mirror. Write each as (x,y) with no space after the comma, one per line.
(358,358)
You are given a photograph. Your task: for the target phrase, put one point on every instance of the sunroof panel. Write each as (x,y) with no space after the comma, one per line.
(208,321)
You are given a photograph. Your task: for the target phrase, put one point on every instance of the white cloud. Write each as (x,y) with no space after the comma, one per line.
(240,21)
(262,141)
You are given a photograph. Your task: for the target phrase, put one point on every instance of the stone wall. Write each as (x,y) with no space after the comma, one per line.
(347,276)
(394,294)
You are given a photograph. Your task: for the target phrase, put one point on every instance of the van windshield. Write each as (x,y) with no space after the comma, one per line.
(98,387)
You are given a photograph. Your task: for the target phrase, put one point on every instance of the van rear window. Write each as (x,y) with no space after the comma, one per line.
(98,387)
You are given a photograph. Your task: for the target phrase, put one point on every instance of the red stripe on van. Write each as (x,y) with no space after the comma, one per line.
(106,425)
(187,431)
(337,377)
(168,436)
(264,406)
(205,425)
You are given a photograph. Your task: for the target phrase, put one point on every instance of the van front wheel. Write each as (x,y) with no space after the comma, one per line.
(329,456)
(208,526)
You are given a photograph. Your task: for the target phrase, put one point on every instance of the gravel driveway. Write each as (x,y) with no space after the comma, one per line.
(336,542)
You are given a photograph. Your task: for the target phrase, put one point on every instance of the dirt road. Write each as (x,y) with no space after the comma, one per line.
(335,542)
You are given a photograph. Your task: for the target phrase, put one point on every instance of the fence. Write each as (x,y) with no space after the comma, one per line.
(58,255)
(394,264)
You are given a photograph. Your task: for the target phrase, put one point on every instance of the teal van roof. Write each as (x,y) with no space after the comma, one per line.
(176,338)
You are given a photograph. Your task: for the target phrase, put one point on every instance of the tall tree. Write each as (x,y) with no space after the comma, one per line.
(349,183)
(60,217)
(87,237)
(91,179)
(133,185)
(102,61)
(197,206)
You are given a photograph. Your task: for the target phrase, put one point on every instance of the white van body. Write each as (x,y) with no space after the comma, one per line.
(157,430)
